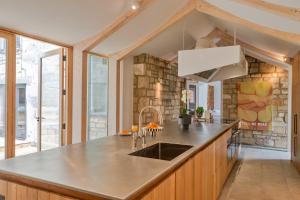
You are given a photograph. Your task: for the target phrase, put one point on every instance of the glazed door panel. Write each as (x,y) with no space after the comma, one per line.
(51,102)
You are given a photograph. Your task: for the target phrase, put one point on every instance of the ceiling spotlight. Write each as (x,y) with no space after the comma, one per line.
(135,5)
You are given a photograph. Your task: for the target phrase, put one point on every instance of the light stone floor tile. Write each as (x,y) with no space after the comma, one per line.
(262,175)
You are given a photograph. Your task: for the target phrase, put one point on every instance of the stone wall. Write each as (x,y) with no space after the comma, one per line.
(97,126)
(278,137)
(156,83)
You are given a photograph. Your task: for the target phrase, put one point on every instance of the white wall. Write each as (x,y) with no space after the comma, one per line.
(217,96)
(126,101)
(203,90)
(290,117)
(202,95)
(112,101)
(77,80)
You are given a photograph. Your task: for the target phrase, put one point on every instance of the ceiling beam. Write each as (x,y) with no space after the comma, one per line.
(185,10)
(224,36)
(116,25)
(207,8)
(292,13)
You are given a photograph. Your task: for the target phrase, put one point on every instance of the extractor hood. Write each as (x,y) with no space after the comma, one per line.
(212,64)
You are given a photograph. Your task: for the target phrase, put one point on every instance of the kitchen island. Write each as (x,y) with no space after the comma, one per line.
(102,169)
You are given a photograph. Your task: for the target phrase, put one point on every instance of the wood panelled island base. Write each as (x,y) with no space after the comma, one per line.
(199,174)
(200,178)
(13,191)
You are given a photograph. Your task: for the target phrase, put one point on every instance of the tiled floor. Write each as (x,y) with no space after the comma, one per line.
(263,175)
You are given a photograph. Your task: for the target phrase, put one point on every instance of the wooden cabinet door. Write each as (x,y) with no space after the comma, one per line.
(164,191)
(296,112)
(204,174)
(185,181)
(295,80)
(221,162)
(294,123)
(295,126)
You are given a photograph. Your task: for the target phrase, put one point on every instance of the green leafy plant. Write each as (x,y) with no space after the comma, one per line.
(184,111)
(199,111)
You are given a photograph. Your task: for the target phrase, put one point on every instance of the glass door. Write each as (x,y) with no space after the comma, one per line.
(50,115)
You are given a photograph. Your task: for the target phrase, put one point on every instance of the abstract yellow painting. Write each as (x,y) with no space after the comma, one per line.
(255,105)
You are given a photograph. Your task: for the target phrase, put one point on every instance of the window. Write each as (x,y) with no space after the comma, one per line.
(97,96)
(21,112)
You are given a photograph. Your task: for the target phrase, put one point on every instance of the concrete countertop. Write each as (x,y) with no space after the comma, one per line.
(102,168)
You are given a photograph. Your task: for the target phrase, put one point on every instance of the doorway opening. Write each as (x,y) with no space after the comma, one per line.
(206,95)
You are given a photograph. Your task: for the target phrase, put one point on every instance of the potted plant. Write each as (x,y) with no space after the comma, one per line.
(199,111)
(185,118)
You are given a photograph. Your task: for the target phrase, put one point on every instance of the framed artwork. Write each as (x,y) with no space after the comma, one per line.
(255,105)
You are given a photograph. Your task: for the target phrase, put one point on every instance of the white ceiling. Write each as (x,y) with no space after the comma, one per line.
(182,34)
(169,42)
(146,22)
(257,39)
(68,21)
(197,25)
(287,3)
(73,21)
(258,16)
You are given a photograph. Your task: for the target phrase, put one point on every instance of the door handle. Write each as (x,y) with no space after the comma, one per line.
(38,118)
(295,146)
(295,134)
(295,124)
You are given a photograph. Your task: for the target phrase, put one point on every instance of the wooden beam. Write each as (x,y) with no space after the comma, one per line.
(98,54)
(205,7)
(289,12)
(229,39)
(117,24)
(10,132)
(118,96)
(62,98)
(185,10)
(84,97)
(69,87)
(35,37)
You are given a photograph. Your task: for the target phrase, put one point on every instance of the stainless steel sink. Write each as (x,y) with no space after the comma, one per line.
(162,151)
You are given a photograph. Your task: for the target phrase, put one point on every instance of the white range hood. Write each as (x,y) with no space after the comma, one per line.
(212,64)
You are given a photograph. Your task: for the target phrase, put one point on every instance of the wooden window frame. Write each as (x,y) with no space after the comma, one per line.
(10,36)
(10,132)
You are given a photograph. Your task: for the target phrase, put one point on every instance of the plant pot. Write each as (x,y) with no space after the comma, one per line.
(199,115)
(180,120)
(186,121)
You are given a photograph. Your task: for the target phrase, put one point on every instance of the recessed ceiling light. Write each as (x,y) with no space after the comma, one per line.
(135,5)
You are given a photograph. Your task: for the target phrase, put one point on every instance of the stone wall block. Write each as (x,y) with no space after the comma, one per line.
(143,82)
(139,69)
